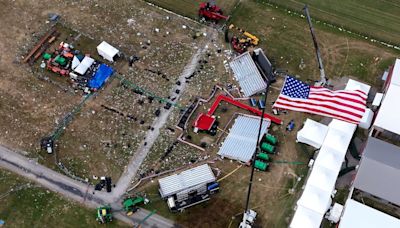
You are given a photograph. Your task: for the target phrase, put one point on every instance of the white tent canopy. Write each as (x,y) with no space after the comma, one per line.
(359,215)
(323,178)
(337,140)
(343,126)
(321,182)
(388,117)
(84,65)
(107,51)
(395,80)
(327,165)
(305,217)
(366,119)
(313,133)
(355,85)
(329,158)
(315,199)
(75,63)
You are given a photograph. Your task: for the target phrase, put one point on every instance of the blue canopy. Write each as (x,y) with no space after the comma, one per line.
(101,76)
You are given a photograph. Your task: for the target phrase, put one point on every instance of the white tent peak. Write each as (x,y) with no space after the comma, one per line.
(313,133)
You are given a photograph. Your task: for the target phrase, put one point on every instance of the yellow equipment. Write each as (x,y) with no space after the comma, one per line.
(250,38)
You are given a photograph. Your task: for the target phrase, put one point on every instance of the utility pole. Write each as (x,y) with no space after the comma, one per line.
(253,159)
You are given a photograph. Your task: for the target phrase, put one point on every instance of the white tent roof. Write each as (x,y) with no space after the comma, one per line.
(84,65)
(337,140)
(388,115)
(106,48)
(321,182)
(343,126)
(323,178)
(305,217)
(355,85)
(377,99)
(329,158)
(366,120)
(75,62)
(315,199)
(359,215)
(395,80)
(313,133)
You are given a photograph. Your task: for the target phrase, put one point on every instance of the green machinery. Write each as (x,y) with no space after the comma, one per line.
(266,147)
(61,60)
(131,204)
(261,165)
(104,214)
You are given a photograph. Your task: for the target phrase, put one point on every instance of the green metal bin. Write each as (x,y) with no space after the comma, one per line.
(260,165)
(263,156)
(271,139)
(266,147)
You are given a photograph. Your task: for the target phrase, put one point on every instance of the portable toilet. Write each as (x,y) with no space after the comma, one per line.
(271,139)
(266,147)
(260,165)
(263,156)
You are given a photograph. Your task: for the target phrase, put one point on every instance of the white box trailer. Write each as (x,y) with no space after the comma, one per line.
(107,51)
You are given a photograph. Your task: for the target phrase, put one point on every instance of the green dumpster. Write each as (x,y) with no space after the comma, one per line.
(260,165)
(61,60)
(46,56)
(263,156)
(271,139)
(266,147)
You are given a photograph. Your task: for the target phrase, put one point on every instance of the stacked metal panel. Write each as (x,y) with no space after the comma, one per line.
(241,142)
(188,179)
(247,74)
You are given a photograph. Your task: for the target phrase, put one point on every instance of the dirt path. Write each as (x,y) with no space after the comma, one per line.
(151,136)
(72,189)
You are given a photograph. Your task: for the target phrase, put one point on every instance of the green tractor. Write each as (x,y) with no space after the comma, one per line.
(131,204)
(104,214)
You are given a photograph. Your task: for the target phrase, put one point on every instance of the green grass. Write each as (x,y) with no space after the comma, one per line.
(286,40)
(378,19)
(33,206)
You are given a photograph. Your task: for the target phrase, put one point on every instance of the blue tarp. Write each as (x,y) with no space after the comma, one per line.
(101,76)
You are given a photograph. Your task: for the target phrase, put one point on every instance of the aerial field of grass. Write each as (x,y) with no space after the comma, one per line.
(25,204)
(189,8)
(379,19)
(287,41)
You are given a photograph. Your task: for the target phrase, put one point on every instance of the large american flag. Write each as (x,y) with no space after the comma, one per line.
(341,104)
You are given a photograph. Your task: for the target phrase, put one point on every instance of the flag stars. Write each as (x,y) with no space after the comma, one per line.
(295,88)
